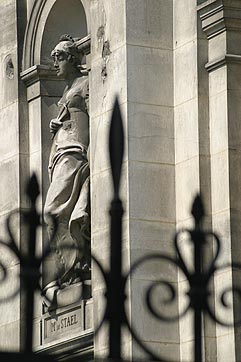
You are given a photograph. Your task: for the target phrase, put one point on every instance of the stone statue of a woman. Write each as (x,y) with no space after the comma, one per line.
(68,196)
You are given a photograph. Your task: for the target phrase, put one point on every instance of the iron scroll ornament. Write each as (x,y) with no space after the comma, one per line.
(115,314)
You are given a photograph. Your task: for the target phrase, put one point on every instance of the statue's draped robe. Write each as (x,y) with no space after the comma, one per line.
(68,195)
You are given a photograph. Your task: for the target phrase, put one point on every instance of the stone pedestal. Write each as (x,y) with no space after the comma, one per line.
(67,331)
(62,322)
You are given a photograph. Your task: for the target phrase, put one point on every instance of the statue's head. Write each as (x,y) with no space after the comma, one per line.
(67,59)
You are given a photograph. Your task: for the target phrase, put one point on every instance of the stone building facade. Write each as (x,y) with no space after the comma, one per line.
(176,68)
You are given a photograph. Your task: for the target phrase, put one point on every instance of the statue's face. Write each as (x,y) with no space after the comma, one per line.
(62,60)
(62,64)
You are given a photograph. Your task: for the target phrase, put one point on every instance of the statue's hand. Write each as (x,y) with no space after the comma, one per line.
(54,125)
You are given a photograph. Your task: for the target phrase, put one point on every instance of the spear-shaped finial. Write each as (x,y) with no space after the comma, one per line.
(32,188)
(116,146)
(198,209)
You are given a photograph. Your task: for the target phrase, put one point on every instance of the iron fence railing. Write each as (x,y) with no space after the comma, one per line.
(115,315)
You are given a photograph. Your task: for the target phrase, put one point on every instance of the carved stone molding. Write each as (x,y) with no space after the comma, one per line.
(221,22)
(33,78)
(218,16)
(36,73)
(229,58)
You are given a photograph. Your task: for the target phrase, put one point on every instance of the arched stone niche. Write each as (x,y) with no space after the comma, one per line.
(48,20)
(64,18)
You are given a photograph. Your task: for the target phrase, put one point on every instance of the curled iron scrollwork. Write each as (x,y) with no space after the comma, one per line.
(198,276)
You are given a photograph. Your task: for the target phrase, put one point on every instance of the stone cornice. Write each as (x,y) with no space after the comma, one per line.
(42,72)
(220,15)
(38,72)
(205,3)
(227,59)
(213,21)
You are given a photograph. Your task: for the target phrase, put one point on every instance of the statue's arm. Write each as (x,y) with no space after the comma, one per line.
(56,123)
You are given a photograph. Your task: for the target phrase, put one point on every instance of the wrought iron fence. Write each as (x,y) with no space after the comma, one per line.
(115,315)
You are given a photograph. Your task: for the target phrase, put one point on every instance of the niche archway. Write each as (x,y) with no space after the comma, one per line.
(64,18)
(49,19)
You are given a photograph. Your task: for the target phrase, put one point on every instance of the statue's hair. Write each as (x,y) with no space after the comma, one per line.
(66,37)
(71,49)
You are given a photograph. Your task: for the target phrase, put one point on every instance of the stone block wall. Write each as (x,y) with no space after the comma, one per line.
(11,160)
(151,162)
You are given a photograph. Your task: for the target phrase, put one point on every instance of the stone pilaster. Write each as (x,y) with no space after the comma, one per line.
(132,56)
(221,21)
(186,133)
(107,78)
(150,33)
(209,327)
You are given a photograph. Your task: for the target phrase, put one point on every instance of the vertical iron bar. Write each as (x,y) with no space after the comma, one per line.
(197,307)
(115,295)
(115,288)
(29,289)
(198,293)
(29,265)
